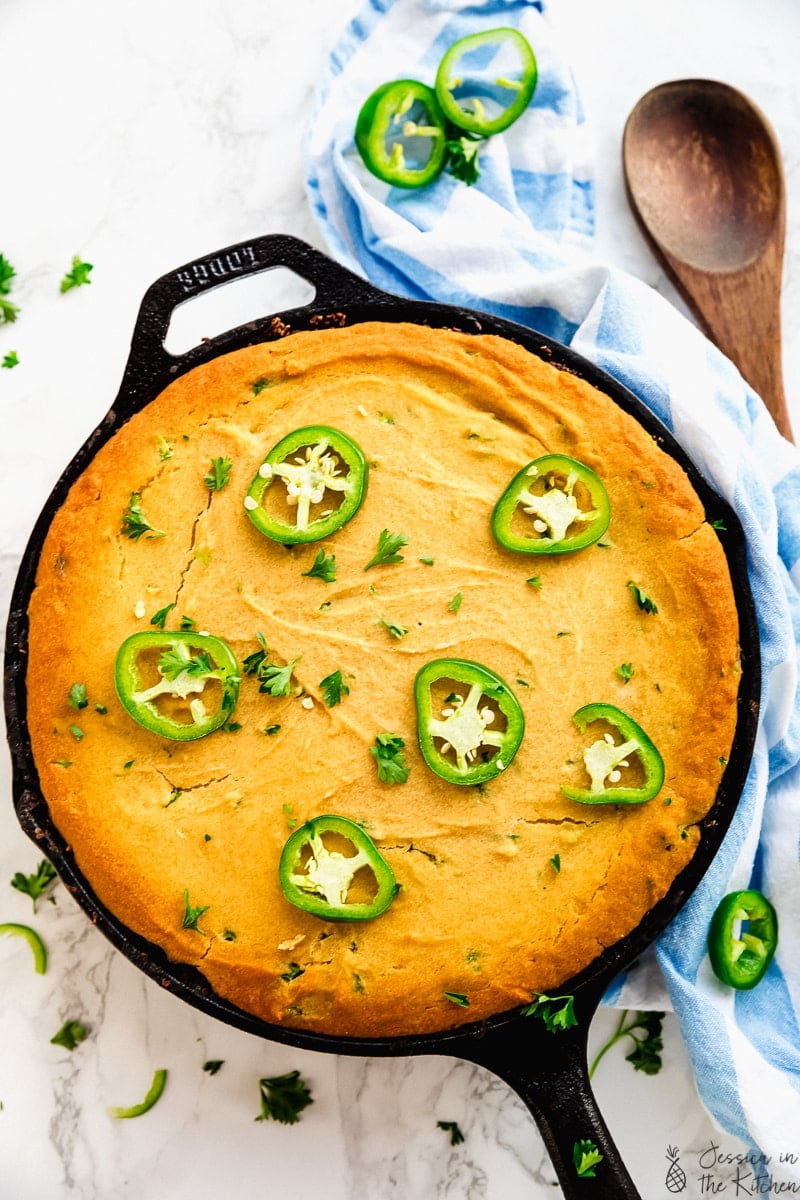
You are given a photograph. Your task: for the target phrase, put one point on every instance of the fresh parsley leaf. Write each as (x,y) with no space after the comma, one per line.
(11,359)
(642,599)
(388,754)
(389,546)
(77,275)
(457,998)
(719,525)
(462,158)
(134,522)
(70,1035)
(626,672)
(187,624)
(283,1098)
(333,688)
(451,1127)
(555,863)
(8,311)
(77,732)
(35,885)
(7,273)
(260,385)
(557,1012)
(277,681)
(213,1065)
(192,913)
(292,972)
(77,695)
(253,662)
(455,603)
(397,631)
(159,618)
(534,581)
(644,1030)
(323,567)
(586,1157)
(172,663)
(219,474)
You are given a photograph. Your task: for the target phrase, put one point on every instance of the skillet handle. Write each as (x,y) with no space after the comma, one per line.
(150,365)
(549,1072)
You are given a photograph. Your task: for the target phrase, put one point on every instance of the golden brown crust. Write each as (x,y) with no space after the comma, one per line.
(445,419)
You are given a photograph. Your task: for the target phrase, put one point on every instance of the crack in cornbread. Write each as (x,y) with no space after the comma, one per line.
(506,890)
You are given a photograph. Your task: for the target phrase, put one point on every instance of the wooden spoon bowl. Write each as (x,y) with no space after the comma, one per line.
(704,178)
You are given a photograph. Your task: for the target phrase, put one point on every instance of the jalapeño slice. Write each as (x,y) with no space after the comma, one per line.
(607,759)
(310,484)
(486,80)
(319,866)
(401,135)
(555,505)
(469,722)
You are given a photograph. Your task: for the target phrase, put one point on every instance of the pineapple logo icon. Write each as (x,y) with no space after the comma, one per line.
(676,1176)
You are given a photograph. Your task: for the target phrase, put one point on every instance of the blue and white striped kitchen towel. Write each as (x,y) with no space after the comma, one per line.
(517,244)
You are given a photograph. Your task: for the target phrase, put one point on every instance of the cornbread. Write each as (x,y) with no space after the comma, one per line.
(505,890)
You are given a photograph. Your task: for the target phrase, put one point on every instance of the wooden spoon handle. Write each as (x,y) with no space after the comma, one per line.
(740,312)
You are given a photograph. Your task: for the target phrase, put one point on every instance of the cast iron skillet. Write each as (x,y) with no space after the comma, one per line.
(547,1070)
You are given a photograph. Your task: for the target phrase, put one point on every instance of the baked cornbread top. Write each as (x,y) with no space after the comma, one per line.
(505,890)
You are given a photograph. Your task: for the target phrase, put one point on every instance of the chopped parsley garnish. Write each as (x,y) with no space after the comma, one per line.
(283,1098)
(388,754)
(76,276)
(719,525)
(451,1127)
(555,863)
(457,998)
(10,358)
(333,687)
(8,311)
(397,631)
(213,1065)
(164,449)
(557,1012)
(323,567)
(219,474)
(70,1035)
(260,384)
(644,1030)
(134,522)
(77,733)
(77,695)
(586,1157)
(462,158)
(293,971)
(534,581)
(172,664)
(35,885)
(187,624)
(159,618)
(642,599)
(426,561)
(388,551)
(626,672)
(277,681)
(271,730)
(153,1095)
(455,603)
(192,913)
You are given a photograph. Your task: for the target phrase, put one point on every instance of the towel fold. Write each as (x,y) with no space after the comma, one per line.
(517,243)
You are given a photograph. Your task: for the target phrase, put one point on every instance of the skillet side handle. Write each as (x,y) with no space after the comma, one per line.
(149,362)
(549,1072)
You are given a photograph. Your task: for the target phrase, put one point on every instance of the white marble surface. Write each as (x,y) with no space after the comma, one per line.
(140,136)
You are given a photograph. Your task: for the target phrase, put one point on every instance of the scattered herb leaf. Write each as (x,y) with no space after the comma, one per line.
(555,863)
(333,688)
(283,1098)
(626,672)
(644,1030)
(388,551)
(70,1035)
(10,358)
(457,998)
(462,158)
(557,1012)
(455,603)
(213,1065)
(35,885)
(159,618)
(219,474)
(388,754)
(134,522)
(397,631)
(77,695)
(451,1127)
(77,275)
(323,567)
(642,599)
(586,1157)
(192,913)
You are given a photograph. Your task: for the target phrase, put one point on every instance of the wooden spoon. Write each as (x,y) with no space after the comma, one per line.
(704,177)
